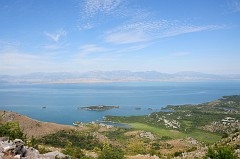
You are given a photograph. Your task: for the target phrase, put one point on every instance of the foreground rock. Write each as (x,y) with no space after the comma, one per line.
(16,149)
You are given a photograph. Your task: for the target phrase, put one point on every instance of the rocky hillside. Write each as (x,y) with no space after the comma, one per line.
(32,127)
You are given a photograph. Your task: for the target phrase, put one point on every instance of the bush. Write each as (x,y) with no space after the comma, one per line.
(135,147)
(73,152)
(12,130)
(211,153)
(221,153)
(226,152)
(178,153)
(225,135)
(155,146)
(110,153)
(153,152)
(43,150)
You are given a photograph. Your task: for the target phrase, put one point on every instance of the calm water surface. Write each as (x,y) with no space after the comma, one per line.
(61,100)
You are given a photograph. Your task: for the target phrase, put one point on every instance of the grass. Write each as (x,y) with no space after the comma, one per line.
(158,131)
(188,124)
(199,135)
(205,136)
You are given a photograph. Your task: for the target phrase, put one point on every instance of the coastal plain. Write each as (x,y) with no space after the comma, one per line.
(195,121)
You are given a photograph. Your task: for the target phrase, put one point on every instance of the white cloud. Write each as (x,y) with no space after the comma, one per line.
(93,7)
(126,37)
(131,48)
(152,30)
(134,23)
(145,26)
(183,29)
(56,36)
(90,48)
(133,32)
(95,12)
(86,26)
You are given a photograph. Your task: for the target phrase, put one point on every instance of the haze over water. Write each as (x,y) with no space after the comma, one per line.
(61,100)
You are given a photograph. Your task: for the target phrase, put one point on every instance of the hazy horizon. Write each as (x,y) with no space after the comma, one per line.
(115,71)
(111,35)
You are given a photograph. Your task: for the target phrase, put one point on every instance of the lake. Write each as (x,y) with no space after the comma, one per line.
(61,100)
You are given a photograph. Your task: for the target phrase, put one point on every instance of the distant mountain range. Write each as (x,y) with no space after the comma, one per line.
(113,76)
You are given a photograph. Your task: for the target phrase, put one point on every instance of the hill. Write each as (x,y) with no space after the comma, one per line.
(32,127)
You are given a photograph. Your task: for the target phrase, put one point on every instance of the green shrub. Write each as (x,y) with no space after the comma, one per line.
(178,153)
(225,135)
(12,130)
(73,152)
(43,150)
(110,153)
(135,147)
(155,146)
(226,153)
(221,153)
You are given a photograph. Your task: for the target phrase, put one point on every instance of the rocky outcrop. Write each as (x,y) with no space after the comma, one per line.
(8,150)
(147,135)
(227,125)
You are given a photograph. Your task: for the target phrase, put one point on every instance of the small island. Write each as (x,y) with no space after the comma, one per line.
(98,108)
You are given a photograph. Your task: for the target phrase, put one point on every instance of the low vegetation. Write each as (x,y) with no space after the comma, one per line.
(11,130)
(76,139)
(223,152)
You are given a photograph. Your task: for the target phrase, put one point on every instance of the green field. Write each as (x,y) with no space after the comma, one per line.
(205,136)
(199,135)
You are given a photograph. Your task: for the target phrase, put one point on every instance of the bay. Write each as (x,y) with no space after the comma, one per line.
(61,100)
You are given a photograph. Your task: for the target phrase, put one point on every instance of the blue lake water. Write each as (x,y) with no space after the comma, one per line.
(61,100)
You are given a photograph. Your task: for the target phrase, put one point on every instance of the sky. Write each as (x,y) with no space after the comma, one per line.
(168,36)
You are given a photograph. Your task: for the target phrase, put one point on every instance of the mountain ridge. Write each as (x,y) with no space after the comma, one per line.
(114,76)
